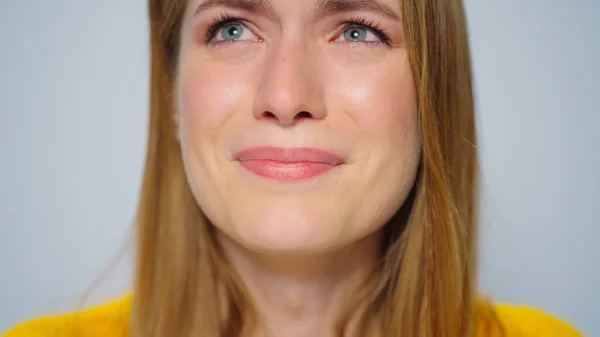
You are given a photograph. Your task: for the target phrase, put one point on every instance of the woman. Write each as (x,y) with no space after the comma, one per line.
(311,171)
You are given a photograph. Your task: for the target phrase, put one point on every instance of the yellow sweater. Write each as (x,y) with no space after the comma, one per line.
(112,320)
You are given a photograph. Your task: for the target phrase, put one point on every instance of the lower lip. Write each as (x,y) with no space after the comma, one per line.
(286,171)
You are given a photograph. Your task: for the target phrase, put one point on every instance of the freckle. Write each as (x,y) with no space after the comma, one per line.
(378,209)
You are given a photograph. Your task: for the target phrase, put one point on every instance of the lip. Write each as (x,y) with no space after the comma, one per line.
(288,164)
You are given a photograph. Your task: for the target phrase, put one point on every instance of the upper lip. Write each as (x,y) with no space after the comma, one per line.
(289,155)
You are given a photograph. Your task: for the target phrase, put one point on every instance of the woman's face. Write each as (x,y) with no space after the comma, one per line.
(297,119)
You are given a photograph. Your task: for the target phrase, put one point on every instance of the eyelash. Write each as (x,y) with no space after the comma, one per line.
(224,19)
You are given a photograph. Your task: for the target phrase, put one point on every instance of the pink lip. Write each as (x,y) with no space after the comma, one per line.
(288,164)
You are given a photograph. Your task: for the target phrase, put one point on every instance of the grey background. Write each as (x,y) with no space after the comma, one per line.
(73,104)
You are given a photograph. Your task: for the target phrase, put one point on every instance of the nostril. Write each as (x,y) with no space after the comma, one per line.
(303,114)
(285,118)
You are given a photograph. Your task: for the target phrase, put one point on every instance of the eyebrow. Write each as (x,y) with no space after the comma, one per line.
(337,6)
(248,5)
(323,6)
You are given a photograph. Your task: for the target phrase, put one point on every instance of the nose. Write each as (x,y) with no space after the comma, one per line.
(290,89)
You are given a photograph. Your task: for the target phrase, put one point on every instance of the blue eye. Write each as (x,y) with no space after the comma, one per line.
(361,30)
(229,29)
(356,34)
(232,31)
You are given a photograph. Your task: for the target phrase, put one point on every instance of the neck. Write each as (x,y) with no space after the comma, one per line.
(303,295)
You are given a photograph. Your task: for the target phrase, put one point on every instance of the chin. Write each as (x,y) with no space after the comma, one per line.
(295,229)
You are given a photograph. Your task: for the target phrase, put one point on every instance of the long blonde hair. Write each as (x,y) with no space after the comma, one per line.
(425,286)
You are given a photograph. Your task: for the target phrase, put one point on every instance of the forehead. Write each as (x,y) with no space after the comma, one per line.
(388,8)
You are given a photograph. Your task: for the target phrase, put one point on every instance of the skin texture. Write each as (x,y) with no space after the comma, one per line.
(293,79)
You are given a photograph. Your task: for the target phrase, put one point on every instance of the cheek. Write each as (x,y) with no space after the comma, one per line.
(383,106)
(208,95)
(381,101)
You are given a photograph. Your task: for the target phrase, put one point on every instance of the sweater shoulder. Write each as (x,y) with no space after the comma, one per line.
(109,319)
